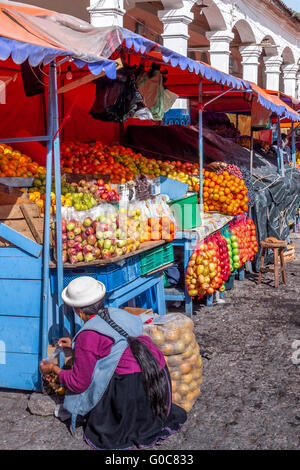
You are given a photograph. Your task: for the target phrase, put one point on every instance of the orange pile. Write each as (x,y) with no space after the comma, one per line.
(158,228)
(13,163)
(224,193)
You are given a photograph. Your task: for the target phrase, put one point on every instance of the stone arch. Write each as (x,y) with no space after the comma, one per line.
(269,49)
(269,46)
(213,15)
(244,32)
(243,36)
(288,56)
(210,19)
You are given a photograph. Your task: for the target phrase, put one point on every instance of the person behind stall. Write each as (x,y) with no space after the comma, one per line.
(286,149)
(287,152)
(119,381)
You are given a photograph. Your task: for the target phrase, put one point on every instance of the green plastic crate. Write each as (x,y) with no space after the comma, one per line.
(186,212)
(154,259)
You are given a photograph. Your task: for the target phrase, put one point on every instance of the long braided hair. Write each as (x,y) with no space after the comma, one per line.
(155,379)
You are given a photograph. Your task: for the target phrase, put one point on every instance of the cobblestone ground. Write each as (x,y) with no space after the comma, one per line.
(250,393)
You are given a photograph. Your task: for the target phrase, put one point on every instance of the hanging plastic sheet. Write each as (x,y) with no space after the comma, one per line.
(155,96)
(277,202)
(117,100)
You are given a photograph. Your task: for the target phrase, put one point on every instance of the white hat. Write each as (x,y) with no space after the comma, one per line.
(83,292)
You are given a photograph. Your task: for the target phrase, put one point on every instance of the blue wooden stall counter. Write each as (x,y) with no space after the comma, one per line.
(20,312)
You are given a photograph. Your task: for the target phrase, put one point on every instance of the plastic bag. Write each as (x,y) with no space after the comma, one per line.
(186,381)
(117,100)
(155,96)
(103,232)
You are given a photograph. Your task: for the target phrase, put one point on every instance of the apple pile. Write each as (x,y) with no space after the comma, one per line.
(203,274)
(93,158)
(106,193)
(122,164)
(91,240)
(233,251)
(109,236)
(223,256)
(244,236)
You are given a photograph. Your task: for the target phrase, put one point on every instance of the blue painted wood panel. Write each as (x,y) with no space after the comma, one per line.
(19,371)
(21,266)
(20,241)
(20,297)
(20,334)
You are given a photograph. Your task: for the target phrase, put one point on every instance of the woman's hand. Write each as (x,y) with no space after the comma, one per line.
(46,367)
(65,342)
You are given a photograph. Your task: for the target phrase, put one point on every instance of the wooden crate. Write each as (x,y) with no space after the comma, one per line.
(25,217)
(138,311)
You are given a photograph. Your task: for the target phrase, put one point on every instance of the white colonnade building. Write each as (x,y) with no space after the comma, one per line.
(258,40)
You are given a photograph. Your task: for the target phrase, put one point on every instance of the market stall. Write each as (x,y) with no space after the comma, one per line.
(108,211)
(33,264)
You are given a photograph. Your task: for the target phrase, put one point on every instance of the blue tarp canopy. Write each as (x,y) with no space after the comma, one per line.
(93,45)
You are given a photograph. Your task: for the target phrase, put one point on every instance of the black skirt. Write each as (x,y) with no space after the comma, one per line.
(123,418)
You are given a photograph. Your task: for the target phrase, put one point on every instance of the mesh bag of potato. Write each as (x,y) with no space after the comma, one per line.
(174,336)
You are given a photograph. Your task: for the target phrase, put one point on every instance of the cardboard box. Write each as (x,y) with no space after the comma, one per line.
(139,311)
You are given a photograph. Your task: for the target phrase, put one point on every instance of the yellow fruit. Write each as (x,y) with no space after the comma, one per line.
(187,337)
(187,378)
(175,374)
(167,349)
(174,386)
(157,337)
(176,397)
(190,397)
(186,405)
(179,347)
(183,389)
(196,374)
(172,335)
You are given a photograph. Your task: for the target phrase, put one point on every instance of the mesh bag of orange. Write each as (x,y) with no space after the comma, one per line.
(173,335)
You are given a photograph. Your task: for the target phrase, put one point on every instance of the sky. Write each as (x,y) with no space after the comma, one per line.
(294,4)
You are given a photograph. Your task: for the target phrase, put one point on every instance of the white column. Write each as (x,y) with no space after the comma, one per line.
(273,71)
(298,87)
(289,78)
(220,49)
(176,28)
(176,35)
(250,62)
(106,12)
